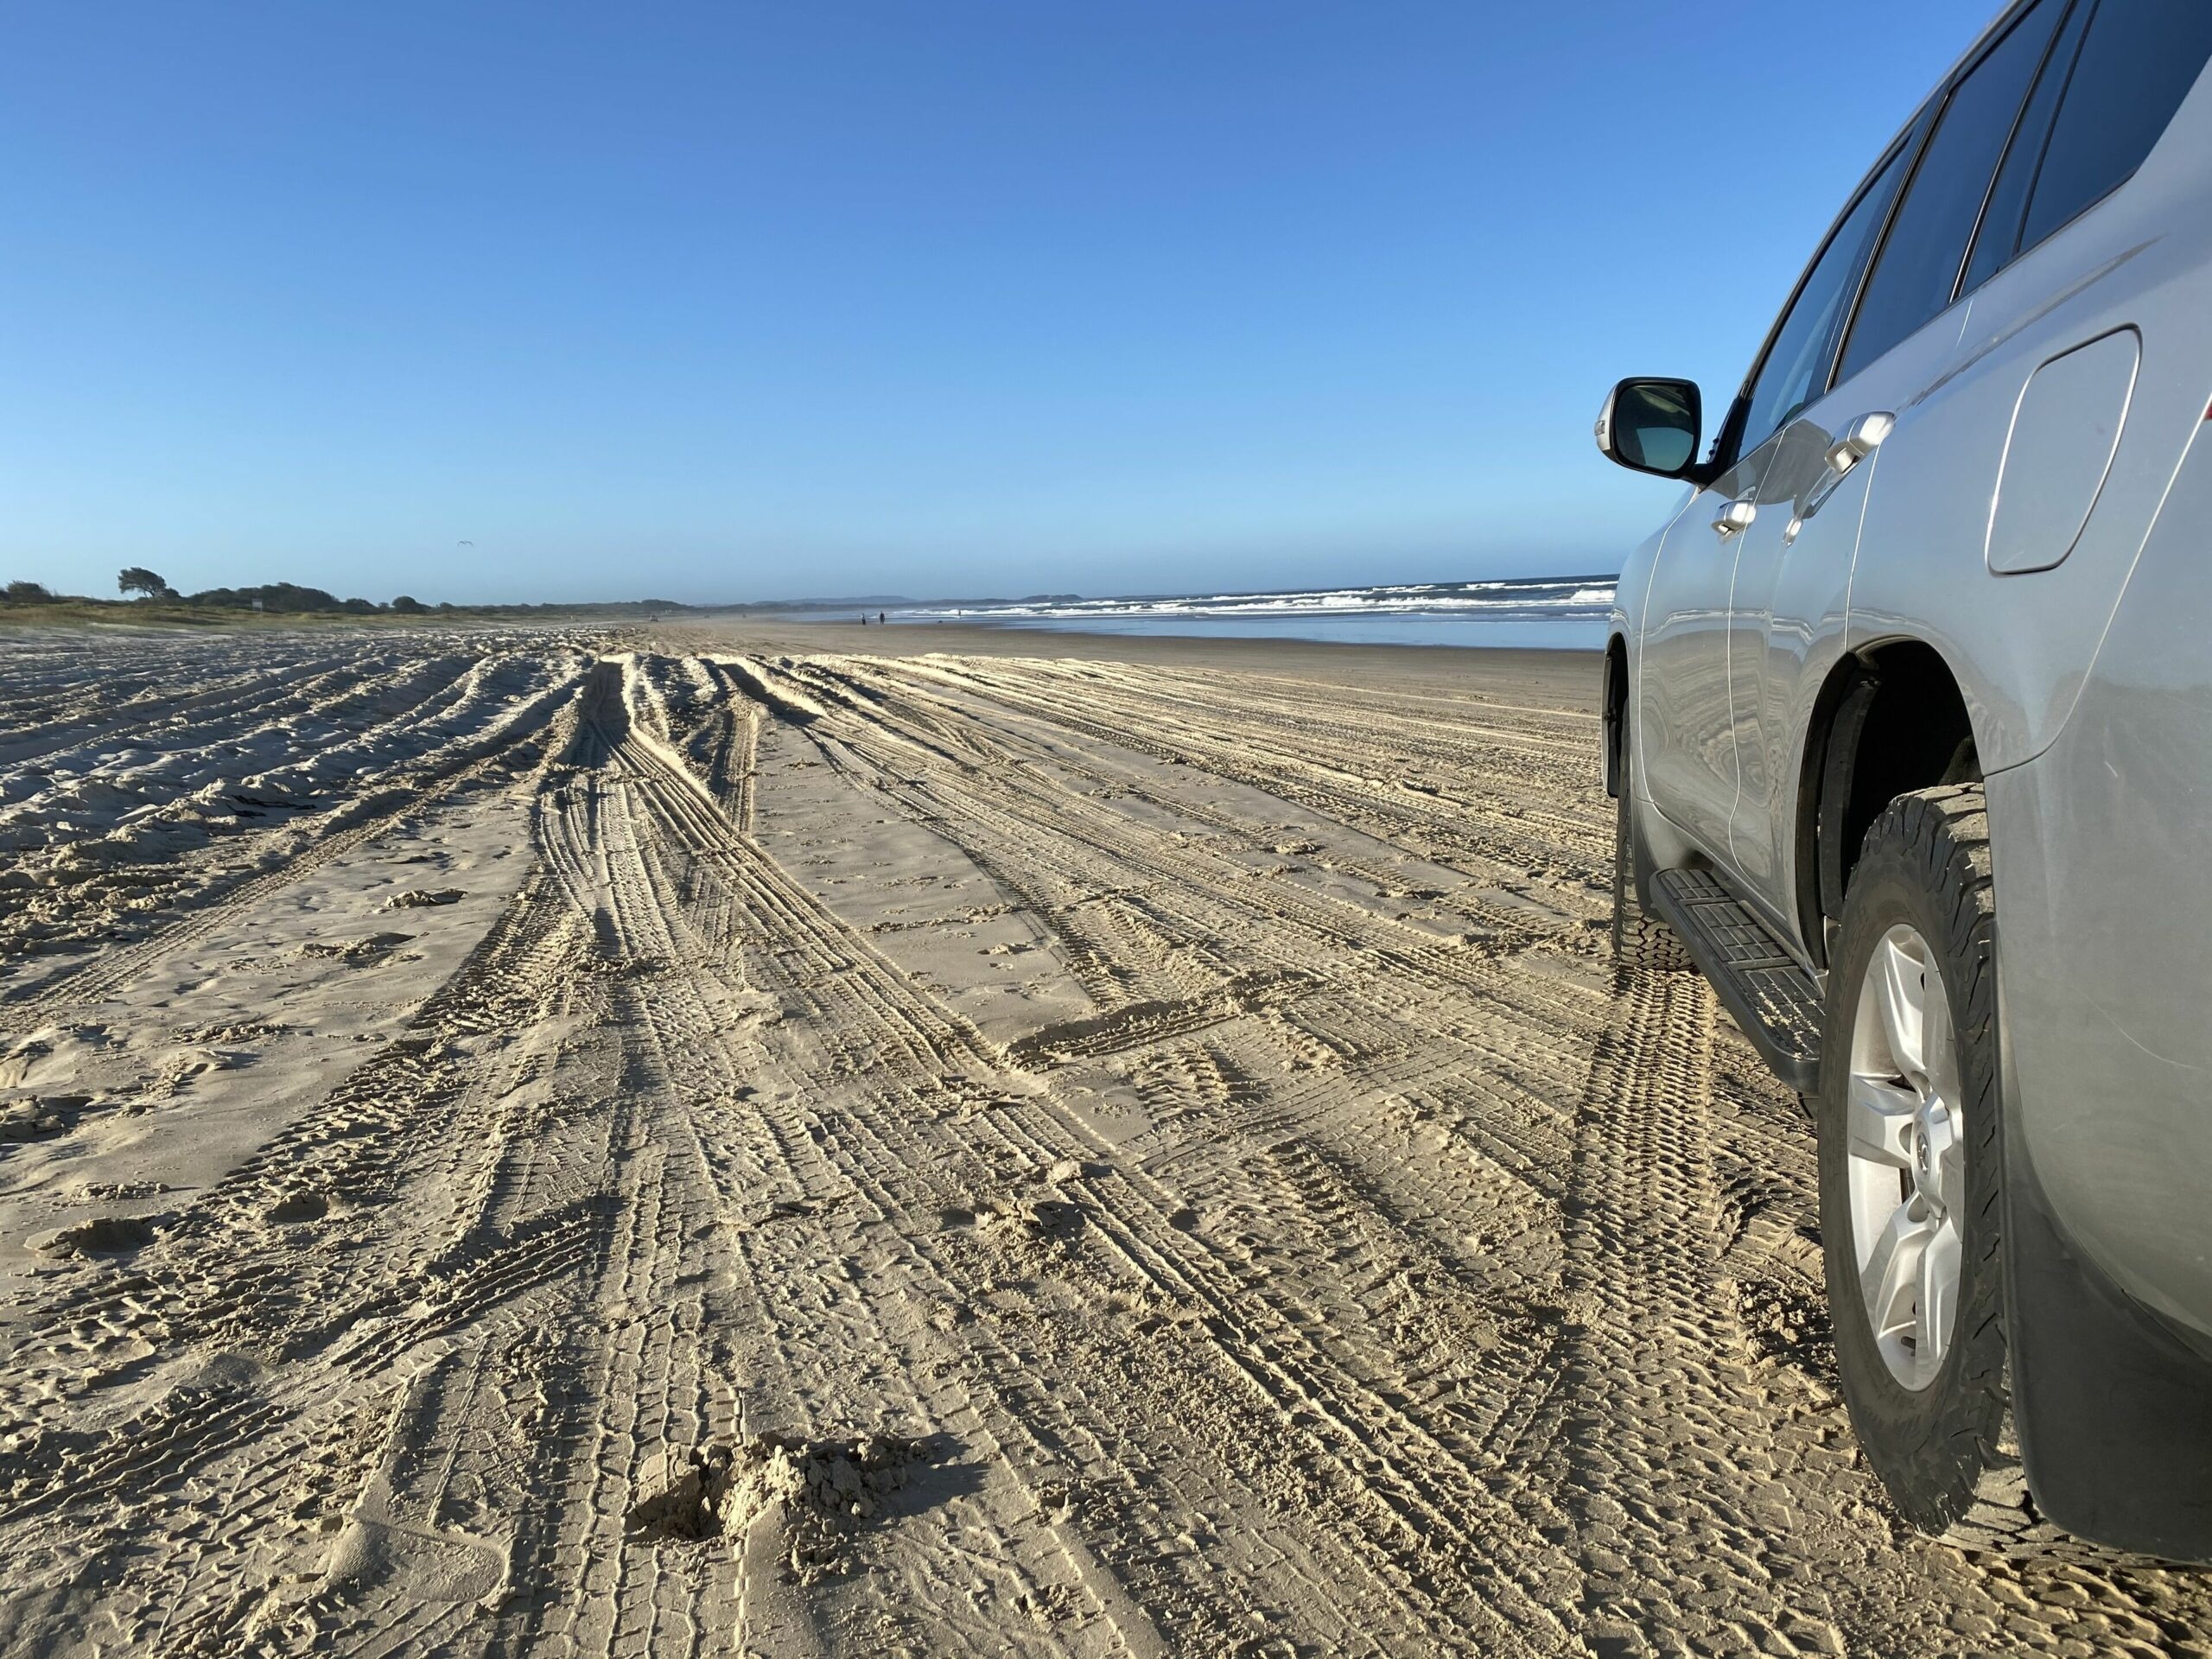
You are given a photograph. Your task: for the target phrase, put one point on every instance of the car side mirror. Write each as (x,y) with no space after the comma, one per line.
(1652,426)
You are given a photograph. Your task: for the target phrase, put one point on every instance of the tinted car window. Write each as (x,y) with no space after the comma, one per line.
(1796,366)
(1918,268)
(1999,235)
(2136,64)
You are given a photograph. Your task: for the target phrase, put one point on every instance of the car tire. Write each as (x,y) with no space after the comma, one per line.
(1933,1416)
(1642,942)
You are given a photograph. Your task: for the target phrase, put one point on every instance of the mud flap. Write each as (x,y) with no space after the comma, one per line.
(2114,1410)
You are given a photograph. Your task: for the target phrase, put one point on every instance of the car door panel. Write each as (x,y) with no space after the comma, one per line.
(2019,643)
(1792,602)
(1794,573)
(1685,734)
(2114,238)
(1690,715)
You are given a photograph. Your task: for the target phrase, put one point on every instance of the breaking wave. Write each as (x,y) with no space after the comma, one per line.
(1531,597)
(1550,612)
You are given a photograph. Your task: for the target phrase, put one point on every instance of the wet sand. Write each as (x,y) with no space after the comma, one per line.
(1570,676)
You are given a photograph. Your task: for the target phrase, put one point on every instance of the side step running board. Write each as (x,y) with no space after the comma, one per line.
(1761,985)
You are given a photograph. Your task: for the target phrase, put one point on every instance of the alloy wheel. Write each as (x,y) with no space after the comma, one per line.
(1906,1163)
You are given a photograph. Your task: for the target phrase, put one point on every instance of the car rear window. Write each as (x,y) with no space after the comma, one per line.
(1917,270)
(1999,235)
(2137,63)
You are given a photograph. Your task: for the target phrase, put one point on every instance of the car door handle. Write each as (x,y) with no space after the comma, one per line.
(1859,440)
(1734,518)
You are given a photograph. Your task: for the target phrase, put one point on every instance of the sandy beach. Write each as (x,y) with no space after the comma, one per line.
(797,1140)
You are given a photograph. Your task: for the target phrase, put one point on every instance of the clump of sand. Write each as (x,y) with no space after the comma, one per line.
(33,1116)
(825,1490)
(97,1235)
(425,898)
(370,949)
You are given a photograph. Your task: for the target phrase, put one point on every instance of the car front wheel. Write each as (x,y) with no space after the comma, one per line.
(1910,1174)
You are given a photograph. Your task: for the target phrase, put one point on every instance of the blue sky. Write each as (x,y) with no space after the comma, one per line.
(941,297)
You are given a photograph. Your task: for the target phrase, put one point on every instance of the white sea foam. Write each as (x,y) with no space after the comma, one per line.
(1533,598)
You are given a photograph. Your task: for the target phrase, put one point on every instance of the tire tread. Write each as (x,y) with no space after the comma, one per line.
(1945,830)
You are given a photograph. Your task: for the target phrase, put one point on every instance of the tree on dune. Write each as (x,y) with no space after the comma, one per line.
(136,579)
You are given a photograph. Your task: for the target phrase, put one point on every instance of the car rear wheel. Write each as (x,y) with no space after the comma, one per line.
(1641,941)
(1910,1175)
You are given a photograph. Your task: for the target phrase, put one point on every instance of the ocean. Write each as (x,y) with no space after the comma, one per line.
(1554,612)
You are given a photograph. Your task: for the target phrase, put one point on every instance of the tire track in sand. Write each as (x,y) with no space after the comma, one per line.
(1420,1500)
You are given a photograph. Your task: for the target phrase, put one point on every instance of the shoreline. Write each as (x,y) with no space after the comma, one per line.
(1571,674)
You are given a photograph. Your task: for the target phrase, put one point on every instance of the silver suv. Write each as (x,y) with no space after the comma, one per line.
(1908,716)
